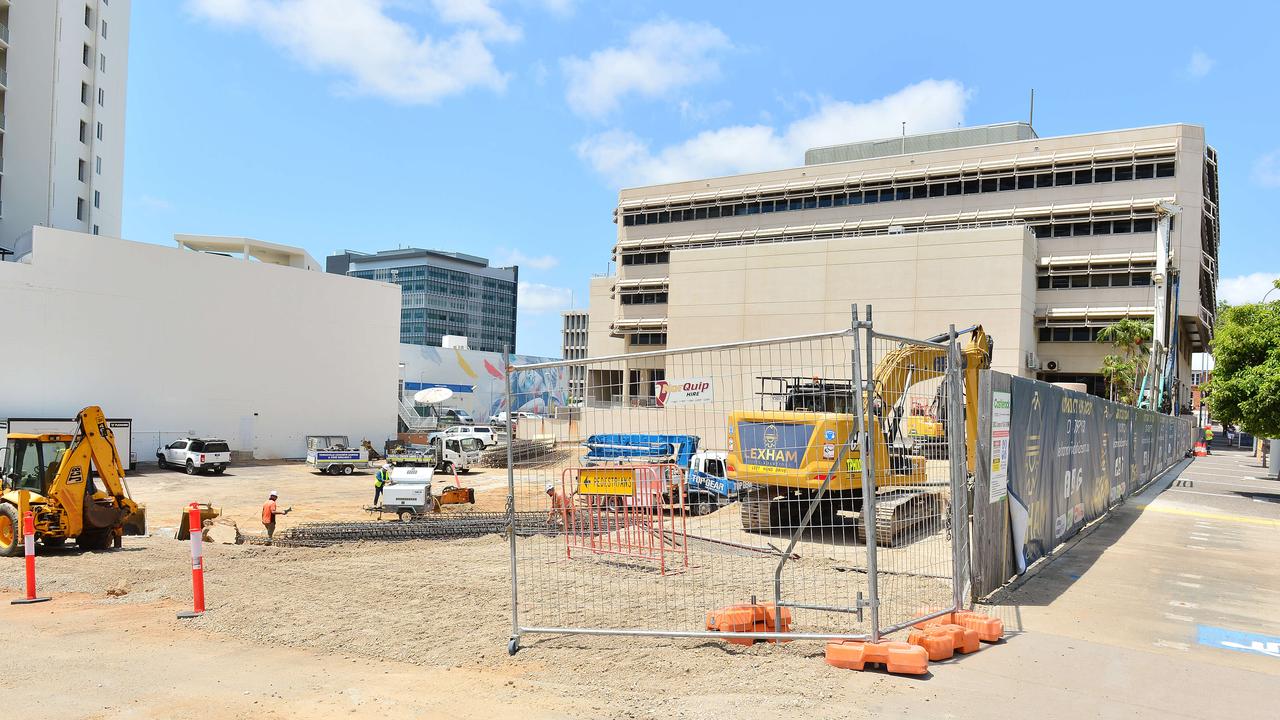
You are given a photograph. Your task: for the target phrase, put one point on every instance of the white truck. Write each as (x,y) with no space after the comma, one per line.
(482,432)
(333,454)
(196,455)
(121,428)
(457,453)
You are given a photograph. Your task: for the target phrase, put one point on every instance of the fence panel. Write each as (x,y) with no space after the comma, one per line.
(920,504)
(695,480)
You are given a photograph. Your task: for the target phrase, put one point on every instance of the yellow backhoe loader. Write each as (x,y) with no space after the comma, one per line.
(783,455)
(63,494)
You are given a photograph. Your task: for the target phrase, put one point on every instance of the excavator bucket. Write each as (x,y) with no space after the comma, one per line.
(207,512)
(135,523)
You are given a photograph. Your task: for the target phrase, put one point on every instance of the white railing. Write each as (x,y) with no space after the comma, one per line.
(412,420)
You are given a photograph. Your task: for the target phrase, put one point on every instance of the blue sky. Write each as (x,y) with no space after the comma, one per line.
(504,128)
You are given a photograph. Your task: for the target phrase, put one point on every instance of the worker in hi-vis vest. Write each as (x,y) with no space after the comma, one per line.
(380,478)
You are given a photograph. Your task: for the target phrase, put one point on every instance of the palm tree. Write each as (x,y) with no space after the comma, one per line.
(1132,338)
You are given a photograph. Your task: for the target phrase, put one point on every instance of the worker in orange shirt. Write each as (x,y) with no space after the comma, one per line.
(269,512)
(561,507)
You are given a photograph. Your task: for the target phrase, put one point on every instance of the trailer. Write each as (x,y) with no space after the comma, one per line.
(407,495)
(333,454)
(121,428)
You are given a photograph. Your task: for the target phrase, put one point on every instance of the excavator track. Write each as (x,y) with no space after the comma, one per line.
(906,513)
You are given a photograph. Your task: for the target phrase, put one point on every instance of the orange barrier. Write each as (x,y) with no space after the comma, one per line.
(989,629)
(750,617)
(1201,450)
(29,545)
(897,657)
(197,565)
(943,641)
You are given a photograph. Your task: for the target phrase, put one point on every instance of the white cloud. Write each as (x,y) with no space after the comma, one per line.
(563,8)
(1266,170)
(1200,64)
(626,159)
(658,57)
(155,204)
(376,54)
(515,257)
(1247,288)
(535,299)
(480,14)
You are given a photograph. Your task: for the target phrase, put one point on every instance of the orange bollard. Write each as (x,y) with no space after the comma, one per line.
(197,564)
(29,545)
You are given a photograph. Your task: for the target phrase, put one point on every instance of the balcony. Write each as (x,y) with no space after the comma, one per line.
(4,79)
(4,32)
(1,122)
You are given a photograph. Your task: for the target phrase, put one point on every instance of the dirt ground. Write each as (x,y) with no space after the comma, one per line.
(433,614)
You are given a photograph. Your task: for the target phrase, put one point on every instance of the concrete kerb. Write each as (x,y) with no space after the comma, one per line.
(1001,595)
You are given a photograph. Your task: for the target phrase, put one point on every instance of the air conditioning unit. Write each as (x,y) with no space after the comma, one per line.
(1033,363)
(1051,365)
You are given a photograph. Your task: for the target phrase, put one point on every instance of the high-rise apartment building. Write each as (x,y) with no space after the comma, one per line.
(1044,240)
(575,348)
(63,73)
(442,293)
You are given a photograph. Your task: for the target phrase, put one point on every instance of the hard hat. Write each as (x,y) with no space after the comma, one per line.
(551,487)
(273,493)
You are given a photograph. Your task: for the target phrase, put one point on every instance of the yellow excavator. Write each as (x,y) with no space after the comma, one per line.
(784,455)
(55,472)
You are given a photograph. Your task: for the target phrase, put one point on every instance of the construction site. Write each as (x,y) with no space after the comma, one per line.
(613,563)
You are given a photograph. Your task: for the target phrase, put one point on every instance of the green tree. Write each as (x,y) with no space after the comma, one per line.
(1124,372)
(1244,389)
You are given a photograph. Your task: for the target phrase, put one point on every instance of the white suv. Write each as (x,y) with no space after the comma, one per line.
(483,433)
(196,455)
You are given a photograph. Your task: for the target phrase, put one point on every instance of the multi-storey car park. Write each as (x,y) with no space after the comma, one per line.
(928,228)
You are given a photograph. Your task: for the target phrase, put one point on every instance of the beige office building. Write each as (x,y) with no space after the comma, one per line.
(1044,241)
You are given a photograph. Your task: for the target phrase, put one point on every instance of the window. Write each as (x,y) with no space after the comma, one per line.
(82,170)
(95,229)
(651,338)
(88,17)
(102,94)
(102,63)
(84,93)
(84,131)
(1145,171)
(97,165)
(99,131)
(1164,169)
(104,28)
(97,199)
(80,208)
(86,56)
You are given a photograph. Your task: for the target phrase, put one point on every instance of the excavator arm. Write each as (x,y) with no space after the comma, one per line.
(92,504)
(911,364)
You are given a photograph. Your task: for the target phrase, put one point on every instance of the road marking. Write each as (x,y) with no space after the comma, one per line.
(1183,604)
(1247,520)
(1187,584)
(1179,618)
(1228,484)
(1195,536)
(1196,492)
(1172,645)
(1238,640)
(1191,576)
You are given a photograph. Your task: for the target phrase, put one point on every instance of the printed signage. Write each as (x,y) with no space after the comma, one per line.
(773,447)
(606,481)
(1001,406)
(680,392)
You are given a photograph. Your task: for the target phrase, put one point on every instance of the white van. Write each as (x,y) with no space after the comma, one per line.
(483,433)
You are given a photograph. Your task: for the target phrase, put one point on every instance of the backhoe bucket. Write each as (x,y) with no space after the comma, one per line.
(207,512)
(135,523)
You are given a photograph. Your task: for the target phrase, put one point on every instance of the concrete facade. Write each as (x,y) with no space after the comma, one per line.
(443,293)
(63,73)
(691,256)
(256,353)
(574,333)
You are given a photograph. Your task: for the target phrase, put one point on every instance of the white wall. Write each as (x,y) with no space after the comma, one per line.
(261,355)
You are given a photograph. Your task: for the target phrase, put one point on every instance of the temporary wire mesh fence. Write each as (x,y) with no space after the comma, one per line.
(697,479)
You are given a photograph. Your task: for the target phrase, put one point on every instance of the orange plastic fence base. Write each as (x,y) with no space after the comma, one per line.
(897,657)
(989,629)
(749,618)
(943,641)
